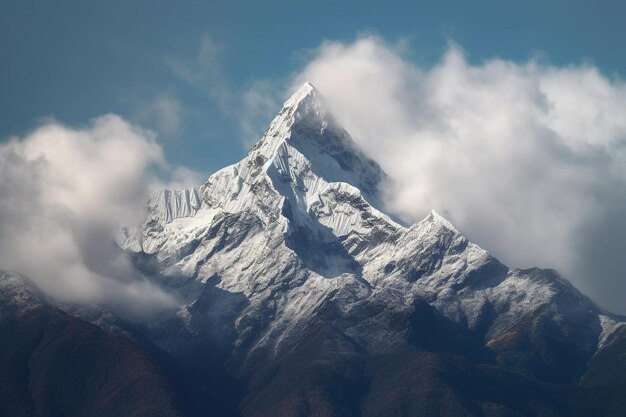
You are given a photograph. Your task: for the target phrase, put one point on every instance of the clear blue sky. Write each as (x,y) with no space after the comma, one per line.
(75,60)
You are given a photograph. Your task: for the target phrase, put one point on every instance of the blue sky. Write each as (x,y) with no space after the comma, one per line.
(506,117)
(75,60)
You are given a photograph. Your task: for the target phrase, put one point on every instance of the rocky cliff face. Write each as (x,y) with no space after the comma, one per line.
(296,262)
(301,295)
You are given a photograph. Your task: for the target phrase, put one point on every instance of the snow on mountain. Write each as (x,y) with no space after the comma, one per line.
(19,293)
(298,225)
(300,294)
(609,327)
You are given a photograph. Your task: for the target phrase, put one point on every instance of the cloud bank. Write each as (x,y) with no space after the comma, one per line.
(65,192)
(527,159)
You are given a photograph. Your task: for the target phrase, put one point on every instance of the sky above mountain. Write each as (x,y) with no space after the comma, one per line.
(506,118)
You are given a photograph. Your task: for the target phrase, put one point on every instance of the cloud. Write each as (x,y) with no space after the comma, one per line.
(65,192)
(259,103)
(179,178)
(205,72)
(528,159)
(164,112)
(250,105)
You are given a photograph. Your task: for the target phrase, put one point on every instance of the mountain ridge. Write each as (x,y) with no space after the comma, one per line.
(301,293)
(296,194)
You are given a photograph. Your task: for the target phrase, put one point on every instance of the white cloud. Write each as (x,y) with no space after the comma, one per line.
(259,104)
(250,105)
(164,112)
(528,159)
(205,72)
(179,178)
(65,192)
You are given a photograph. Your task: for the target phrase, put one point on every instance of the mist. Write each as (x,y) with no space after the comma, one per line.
(65,193)
(527,159)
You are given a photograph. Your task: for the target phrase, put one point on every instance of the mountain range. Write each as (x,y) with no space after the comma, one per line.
(300,294)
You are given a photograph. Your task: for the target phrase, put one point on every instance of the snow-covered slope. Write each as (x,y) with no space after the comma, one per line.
(298,225)
(19,293)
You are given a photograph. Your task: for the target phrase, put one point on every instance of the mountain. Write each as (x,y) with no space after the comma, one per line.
(328,305)
(56,365)
(301,295)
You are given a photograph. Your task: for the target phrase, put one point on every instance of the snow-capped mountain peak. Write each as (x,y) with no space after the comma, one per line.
(305,171)
(298,224)
(303,158)
(303,105)
(295,287)
(305,135)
